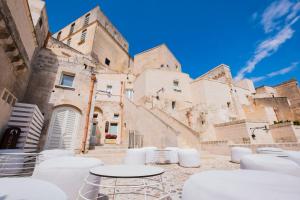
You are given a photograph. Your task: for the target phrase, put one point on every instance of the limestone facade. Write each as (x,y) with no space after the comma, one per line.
(92,92)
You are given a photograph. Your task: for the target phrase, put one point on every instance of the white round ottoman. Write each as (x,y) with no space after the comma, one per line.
(68,173)
(238,152)
(241,185)
(135,157)
(54,153)
(271,150)
(172,154)
(189,158)
(294,156)
(270,163)
(151,156)
(29,189)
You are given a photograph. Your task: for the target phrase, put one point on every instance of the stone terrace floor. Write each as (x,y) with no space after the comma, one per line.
(174,176)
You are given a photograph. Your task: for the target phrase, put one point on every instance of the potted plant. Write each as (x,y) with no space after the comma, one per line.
(110,139)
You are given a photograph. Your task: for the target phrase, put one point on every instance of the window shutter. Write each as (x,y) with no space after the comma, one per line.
(63,129)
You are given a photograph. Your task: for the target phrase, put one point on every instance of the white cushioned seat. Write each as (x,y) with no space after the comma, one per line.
(29,189)
(270,163)
(68,173)
(294,156)
(189,158)
(54,153)
(135,157)
(238,152)
(271,150)
(171,155)
(241,185)
(151,156)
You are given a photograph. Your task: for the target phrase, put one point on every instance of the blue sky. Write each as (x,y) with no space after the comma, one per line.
(258,39)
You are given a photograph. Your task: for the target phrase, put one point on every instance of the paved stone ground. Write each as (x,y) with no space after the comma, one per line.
(174,176)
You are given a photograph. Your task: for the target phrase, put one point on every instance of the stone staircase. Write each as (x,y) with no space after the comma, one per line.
(109,154)
(158,128)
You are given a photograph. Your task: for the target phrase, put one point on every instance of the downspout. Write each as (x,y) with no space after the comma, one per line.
(87,119)
(122,111)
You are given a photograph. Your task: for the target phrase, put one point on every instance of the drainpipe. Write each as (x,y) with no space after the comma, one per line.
(87,120)
(122,110)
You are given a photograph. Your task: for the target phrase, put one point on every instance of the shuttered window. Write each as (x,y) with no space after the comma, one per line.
(86,20)
(63,128)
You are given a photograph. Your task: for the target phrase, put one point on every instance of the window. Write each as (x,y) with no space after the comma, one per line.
(86,20)
(116,115)
(69,42)
(175,83)
(129,93)
(72,28)
(173,105)
(113,128)
(109,89)
(107,61)
(58,35)
(83,36)
(176,86)
(67,80)
(8,97)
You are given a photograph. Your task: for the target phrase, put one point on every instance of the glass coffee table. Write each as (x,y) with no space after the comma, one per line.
(126,182)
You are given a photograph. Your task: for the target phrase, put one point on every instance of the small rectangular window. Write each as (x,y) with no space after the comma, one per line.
(83,36)
(173,105)
(109,89)
(41,22)
(67,80)
(107,61)
(116,115)
(72,28)
(58,35)
(113,128)
(86,19)
(69,42)
(175,83)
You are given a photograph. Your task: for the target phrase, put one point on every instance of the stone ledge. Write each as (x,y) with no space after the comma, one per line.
(65,87)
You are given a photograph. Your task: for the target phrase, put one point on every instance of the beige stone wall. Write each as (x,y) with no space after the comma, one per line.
(283,132)
(159,57)
(246,84)
(265,91)
(45,90)
(220,73)
(291,90)
(151,81)
(240,132)
(105,47)
(280,105)
(21,14)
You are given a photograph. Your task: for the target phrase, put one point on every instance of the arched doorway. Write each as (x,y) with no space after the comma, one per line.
(63,128)
(95,138)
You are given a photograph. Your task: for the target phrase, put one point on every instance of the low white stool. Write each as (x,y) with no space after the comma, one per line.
(54,153)
(150,154)
(29,189)
(271,150)
(135,157)
(241,185)
(270,163)
(68,173)
(172,155)
(294,156)
(238,152)
(189,158)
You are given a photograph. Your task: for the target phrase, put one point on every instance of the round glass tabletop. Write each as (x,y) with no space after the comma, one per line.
(127,171)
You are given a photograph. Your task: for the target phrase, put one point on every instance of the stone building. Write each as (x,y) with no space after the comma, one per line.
(92,92)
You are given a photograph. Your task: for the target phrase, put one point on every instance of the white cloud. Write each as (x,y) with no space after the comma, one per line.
(280,16)
(282,71)
(265,49)
(272,14)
